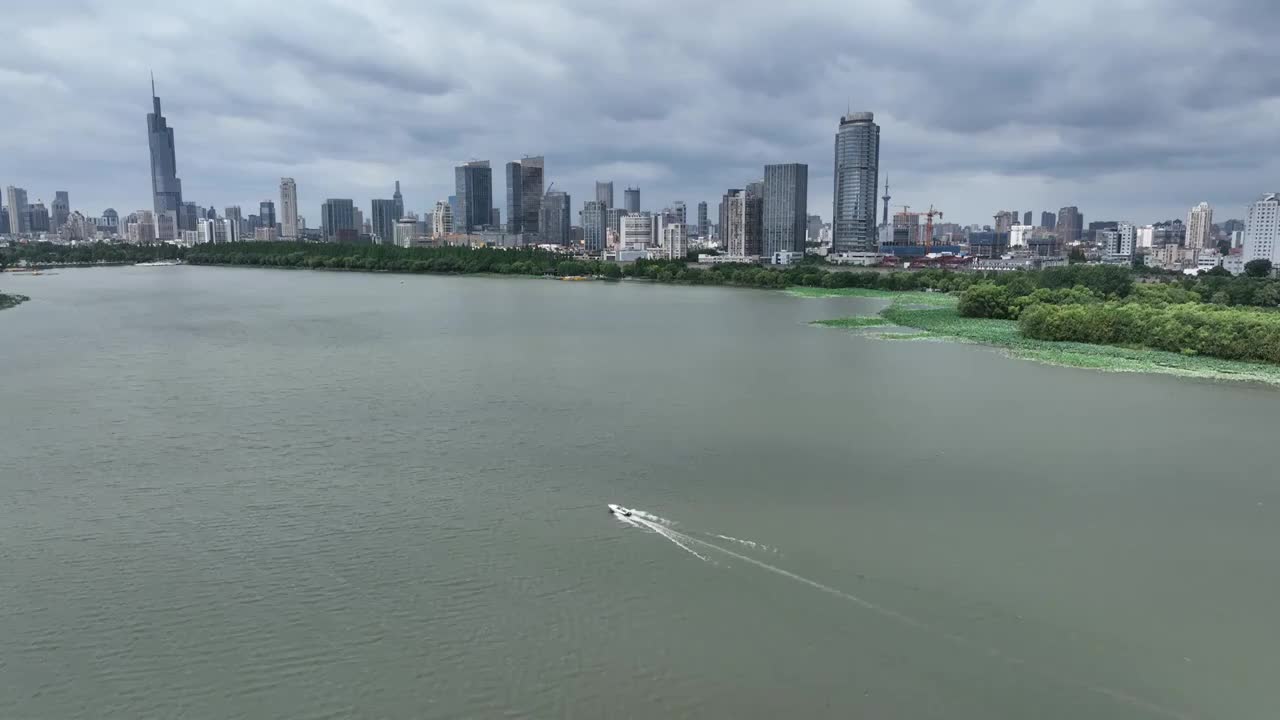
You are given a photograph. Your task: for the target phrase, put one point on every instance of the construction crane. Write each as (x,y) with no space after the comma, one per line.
(928,231)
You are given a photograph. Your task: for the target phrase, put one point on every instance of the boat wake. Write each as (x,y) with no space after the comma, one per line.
(688,542)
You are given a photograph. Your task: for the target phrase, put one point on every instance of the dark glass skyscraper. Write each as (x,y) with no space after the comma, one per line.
(397,211)
(595,220)
(604,193)
(338,219)
(166,188)
(474,184)
(631,200)
(703,228)
(383,217)
(267,214)
(555,218)
(531,188)
(786,207)
(515,196)
(857,170)
(61,208)
(1048,220)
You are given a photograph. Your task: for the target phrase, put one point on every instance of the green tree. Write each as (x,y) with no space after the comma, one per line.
(1075,256)
(984,301)
(1259,268)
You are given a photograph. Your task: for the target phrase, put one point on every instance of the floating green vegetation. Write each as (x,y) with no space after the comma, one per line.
(8,301)
(1004,333)
(903,297)
(857,321)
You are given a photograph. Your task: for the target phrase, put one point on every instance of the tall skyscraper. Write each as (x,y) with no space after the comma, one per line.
(474,184)
(267,214)
(383,216)
(1200,226)
(857,175)
(515,198)
(398,210)
(188,214)
(1026,218)
(1262,230)
(595,218)
(531,190)
(61,208)
(631,200)
(338,219)
(680,211)
(37,218)
(1070,223)
(166,188)
(555,220)
(17,201)
(1048,220)
(604,193)
(704,228)
(786,207)
(741,223)
(288,209)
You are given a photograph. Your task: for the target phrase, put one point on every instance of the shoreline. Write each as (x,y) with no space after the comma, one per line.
(937,319)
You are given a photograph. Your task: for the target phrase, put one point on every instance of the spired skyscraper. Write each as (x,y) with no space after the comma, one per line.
(398,200)
(857,172)
(166,188)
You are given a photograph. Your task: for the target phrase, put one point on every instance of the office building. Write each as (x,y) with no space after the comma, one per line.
(1200,226)
(675,240)
(338,220)
(595,219)
(16,199)
(267,214)
(604,193)
(631,200)
(704,226)
(383,217)
(495,218)
(288,209)
(61,208)
(397,211)
(188,213)
(857,171)
(786,207)
(515,197)
(1262,230)
(404,232)
(680,212)
(1070,224)
(37,220)
(555,222)
(636,231)
(166,188)
(361,227)
(442,219)
(614,216)
(531,191)
(474,185)
(4,217)
(1026,218)
(1048,220)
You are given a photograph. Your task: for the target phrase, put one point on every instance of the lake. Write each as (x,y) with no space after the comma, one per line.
(245,493)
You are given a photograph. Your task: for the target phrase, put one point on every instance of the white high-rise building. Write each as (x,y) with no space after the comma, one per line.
(1018,235)
(637,231)
(442,219)
(1200,226)
(1119,243)
(288,209)
(1146,236)
(675,240)
(1262,230)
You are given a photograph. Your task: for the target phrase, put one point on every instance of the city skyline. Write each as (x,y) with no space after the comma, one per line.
(1076,130)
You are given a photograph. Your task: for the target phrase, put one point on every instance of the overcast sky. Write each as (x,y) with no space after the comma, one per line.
(1130,109)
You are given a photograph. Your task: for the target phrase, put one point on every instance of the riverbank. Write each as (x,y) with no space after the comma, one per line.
(934,316)
(8,301)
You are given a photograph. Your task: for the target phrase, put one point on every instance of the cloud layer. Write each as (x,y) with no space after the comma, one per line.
(1130,109)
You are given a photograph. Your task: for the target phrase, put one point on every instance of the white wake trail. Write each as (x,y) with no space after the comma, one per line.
(668,533)
(749,543)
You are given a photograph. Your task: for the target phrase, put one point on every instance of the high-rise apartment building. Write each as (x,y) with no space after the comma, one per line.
(595,223)
(1200,226)
(16,199)
(1262,230)
(1048,220)
(680,211)
(474,187)
(288,209)
(236,222)
(631,200)
(37,218)
(704,226)
(604,193)
(338,220)
(555,223)
(741,223)
(382,216)
(635,231)
(166,188)
(61,208)
(857,171)
(532,169)
(1070,224)
(675,240)
(786,208)
(442,219)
